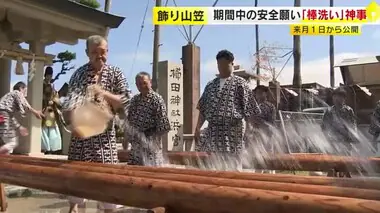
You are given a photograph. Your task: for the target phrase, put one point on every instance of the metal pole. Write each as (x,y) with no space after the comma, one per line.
(156,51)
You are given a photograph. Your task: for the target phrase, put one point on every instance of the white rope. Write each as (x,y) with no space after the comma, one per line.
(32,69)
(2,53)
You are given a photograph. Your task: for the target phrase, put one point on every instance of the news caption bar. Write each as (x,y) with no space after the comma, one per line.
(302,20)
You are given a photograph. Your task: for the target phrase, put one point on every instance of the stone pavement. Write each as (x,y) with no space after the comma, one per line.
(45,202)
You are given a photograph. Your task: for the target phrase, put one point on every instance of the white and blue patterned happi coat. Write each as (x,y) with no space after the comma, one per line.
(224,109)
(148,116)
(100,148)
(11,104)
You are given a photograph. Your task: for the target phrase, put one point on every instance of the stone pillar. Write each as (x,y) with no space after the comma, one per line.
(191,90)
(5,77)
(32,143)
(170,87)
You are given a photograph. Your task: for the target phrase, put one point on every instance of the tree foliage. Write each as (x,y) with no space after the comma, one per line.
(272,59)
(65,59)
(90,3)
(66,56)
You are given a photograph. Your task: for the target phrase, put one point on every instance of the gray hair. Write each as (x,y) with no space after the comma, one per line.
(94,39)
(140,74)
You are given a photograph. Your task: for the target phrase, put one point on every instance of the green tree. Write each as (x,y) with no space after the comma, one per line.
(90,3)
(65,59)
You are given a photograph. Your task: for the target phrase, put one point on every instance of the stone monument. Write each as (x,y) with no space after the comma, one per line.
(170,87)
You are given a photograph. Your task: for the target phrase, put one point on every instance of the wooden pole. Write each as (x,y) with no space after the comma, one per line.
(361,183)
(257,48)
(297,76)
(3,198)
(332,54)
(107,7)
(300,162)
(191,90)
(319,162)
(156,52)
(182,158)
(178,196)
(157,210)
(370,194)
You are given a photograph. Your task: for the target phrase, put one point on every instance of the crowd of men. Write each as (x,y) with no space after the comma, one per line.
(226,101)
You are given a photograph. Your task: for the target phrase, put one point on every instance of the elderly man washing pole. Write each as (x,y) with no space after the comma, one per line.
(147,114)
(110,82)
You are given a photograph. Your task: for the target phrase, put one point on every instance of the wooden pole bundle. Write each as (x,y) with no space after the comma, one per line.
(361,183)
(180,193)
(179,196)
(370,193)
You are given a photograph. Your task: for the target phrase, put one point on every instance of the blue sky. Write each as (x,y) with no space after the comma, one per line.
(238,39)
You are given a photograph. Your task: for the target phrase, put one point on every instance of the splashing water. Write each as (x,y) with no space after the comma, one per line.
(299,133)
(295,132)
(146,144)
